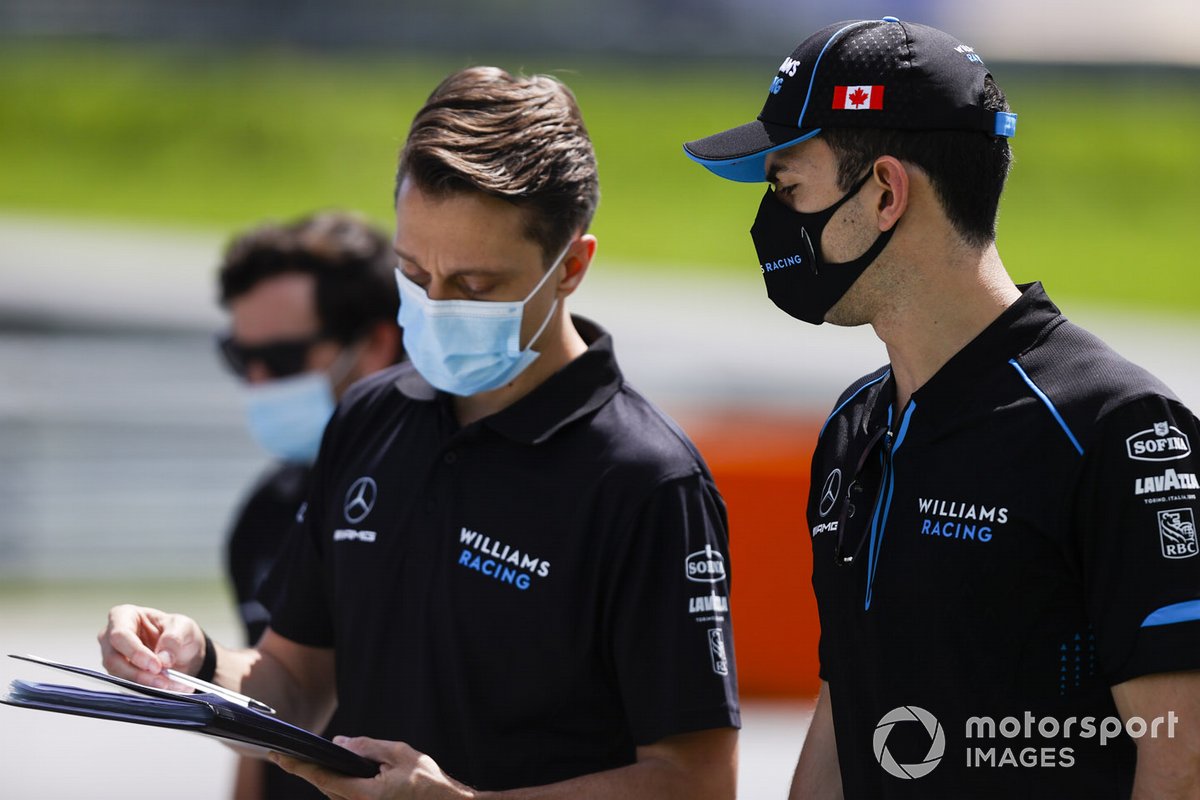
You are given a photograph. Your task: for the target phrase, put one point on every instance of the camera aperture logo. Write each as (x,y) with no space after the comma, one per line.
(937,742)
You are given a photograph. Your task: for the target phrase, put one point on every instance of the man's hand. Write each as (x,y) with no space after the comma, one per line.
(690,766)
(139,643)
(403,773)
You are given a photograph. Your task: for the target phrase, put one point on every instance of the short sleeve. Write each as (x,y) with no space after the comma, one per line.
(670,631)
(1136,519)
(297,592)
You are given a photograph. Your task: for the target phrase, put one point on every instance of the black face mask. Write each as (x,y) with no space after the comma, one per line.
(799,281)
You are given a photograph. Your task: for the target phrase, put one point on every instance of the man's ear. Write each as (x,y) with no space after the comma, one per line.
(892,178)
(576,262)
(381,347)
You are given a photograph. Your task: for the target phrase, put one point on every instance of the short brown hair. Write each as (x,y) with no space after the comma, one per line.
(352,262)
(520,139)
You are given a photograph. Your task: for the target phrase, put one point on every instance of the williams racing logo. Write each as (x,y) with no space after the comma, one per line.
(1163,442)
(498,561)
(956,519)
(783,263)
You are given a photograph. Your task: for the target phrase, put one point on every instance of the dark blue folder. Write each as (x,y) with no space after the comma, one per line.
(201,712)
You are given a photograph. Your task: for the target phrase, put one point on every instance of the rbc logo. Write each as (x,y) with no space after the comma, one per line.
(776,84)
(1177,532)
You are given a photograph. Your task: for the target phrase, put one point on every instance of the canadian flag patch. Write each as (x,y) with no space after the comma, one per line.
(857,98)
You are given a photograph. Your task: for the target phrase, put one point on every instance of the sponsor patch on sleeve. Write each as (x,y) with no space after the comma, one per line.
(1177,533)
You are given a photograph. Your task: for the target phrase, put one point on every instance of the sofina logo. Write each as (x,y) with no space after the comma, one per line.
(937,742)
(1163,442)
(705,566)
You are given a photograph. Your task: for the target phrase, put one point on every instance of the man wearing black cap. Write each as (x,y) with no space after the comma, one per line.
(1003,518)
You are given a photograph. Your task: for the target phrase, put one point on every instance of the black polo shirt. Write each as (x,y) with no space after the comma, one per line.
(1025,530)
(254,542)
(527,598)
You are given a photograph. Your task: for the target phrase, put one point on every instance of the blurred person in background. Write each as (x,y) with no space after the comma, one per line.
(1003,518)
(312,307)
(511,569)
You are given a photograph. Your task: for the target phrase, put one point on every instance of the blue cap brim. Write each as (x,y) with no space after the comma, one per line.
(740,154)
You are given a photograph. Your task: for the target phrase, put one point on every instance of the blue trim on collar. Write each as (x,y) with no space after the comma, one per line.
(846,402)
(879,522)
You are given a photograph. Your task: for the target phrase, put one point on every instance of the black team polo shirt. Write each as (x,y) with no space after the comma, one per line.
(1025,532)
(527,598)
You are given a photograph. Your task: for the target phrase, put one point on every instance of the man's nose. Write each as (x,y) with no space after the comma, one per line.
(256,372)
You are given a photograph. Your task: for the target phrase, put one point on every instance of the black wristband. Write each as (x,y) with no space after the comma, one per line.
(208,669)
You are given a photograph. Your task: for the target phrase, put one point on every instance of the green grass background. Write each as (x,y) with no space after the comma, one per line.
(1101,204)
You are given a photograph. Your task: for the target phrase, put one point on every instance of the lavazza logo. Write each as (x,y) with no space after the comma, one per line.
(990,743)
(1169,481)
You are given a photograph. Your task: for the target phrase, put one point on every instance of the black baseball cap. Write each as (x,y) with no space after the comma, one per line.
(860,74)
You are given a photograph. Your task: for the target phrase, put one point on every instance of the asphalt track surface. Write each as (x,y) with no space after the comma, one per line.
(695,345)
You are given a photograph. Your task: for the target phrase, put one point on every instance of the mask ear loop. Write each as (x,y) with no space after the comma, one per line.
(826,215)
(553,306)
(553,266)
(343,364)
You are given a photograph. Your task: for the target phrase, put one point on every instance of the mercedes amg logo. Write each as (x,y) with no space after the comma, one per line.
(829,493)
(360,499)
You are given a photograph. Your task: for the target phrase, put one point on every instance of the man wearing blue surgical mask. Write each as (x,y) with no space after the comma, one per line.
(512,569)
(312,308)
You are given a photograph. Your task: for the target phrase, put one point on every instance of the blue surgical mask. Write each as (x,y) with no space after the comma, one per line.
(287,416)
(465,347)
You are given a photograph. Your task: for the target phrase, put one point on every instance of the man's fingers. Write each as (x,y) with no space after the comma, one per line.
(180,642)
(122,649)
(319,777)
(392,753)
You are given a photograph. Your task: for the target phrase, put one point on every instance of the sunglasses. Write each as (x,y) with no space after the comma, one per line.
(858,502)
(280,358)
